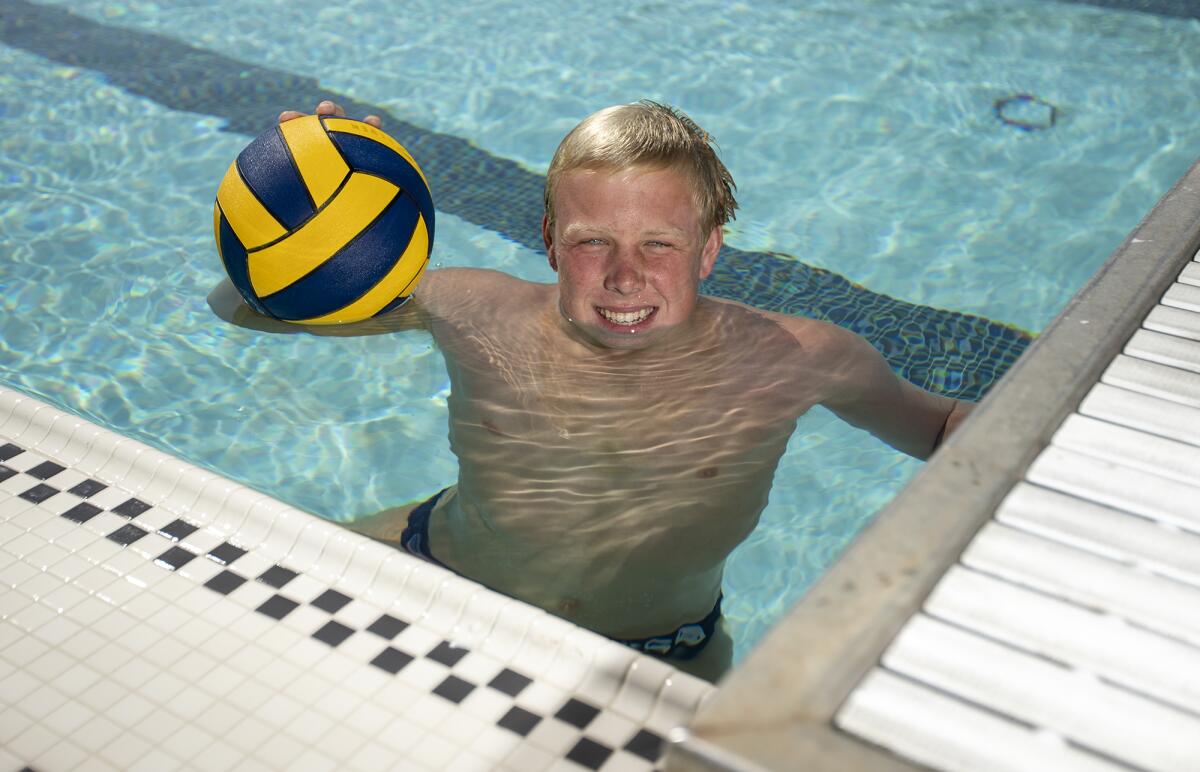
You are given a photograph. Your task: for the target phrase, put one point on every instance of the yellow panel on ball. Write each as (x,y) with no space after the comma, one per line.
(321,165)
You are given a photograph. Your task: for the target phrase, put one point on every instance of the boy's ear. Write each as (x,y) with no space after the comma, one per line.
(708,255)
(548,240)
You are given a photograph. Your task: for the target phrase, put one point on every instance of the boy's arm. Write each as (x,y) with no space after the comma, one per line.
(863,391)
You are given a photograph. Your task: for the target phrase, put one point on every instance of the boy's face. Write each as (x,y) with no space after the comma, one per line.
(629,253)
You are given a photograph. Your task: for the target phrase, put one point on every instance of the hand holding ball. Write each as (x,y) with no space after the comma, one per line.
(324,220)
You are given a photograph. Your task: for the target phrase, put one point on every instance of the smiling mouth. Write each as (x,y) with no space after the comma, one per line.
(627,318)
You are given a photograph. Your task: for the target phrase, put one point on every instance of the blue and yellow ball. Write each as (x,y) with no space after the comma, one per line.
(324,220)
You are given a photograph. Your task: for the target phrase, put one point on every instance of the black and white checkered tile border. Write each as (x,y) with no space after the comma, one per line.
(134,522)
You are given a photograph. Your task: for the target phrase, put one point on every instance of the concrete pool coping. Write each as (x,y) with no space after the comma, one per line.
(776,710)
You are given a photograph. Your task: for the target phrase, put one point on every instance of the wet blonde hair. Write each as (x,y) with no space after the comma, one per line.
(654,135)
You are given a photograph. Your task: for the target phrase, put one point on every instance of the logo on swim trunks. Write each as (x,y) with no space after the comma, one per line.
(690,635)
(661,646)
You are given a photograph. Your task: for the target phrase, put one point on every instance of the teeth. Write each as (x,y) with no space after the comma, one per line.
(625,317)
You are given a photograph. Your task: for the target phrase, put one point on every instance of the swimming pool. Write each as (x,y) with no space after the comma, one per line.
(862,136)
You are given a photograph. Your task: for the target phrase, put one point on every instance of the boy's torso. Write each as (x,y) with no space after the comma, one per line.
(610,487)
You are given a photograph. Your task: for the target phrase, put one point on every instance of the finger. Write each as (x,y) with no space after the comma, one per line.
(329,108)
(374,121)
(288,115)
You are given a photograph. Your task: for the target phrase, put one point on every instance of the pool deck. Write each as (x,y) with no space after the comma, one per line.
(1032,599)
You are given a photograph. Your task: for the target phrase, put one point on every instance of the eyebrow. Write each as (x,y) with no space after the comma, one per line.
(575,229)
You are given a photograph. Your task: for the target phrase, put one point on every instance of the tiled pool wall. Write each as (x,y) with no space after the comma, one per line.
(156,616)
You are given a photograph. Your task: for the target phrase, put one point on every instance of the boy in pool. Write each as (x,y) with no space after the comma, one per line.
(617,432)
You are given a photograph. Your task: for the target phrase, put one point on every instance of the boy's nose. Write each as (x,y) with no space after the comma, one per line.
(624,276)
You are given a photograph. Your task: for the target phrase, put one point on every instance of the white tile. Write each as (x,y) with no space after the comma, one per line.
(96,577)
(278,751)
(488,704)
(57,630)
(309,723)
(315,760)
(462,729)
(508,633)
(493,743)
(104,523)
(478,668)
(75,539)
(84,643)
(33,742)
(154,760)
(422,584)
(45,556)
(31,617)
(110,497)
(32,518)
(190,743)
(26,461)
(96,733)
(434,752)
(80,442)
(334,552)
(466,761)
(612,730)
(554,736)
(11,506)
(423,674)
(13,723)
(603,680)
(416,640)
(119,463)
(541,698)
(101,696)
(449,605)
(126,750)
(64,598)
(218,719)
(12,601)
(341,741)
(13,573)
(164,480)
(527,757)
(17,685)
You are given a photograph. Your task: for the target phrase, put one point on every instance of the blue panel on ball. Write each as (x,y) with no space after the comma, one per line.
(353,270)
(367,155)
(266,166)
(233,254)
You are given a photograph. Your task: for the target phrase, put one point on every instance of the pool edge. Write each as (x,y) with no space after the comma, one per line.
(777,707)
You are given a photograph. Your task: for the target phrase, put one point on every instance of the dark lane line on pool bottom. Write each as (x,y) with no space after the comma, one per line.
(953,353)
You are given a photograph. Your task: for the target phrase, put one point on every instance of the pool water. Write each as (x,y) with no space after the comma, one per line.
(862,134)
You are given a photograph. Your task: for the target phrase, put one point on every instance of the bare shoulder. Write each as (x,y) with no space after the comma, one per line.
(816,342)
(833,361)
(445,290)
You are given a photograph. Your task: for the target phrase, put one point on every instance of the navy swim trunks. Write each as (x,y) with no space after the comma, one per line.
(683,644)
